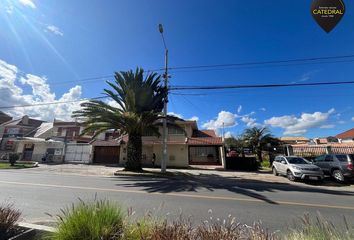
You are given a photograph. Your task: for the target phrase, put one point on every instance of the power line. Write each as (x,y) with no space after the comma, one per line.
(257,86)
(261,62)
(51,103)
(180,88)
(227,66)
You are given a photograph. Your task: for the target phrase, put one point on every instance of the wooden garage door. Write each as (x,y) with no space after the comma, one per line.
(106,155)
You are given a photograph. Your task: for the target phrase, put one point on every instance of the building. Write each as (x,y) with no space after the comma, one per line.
(22,127)
(347,136)
(186,146)
(71,132)
(39,150)
(4,117)
(294,140)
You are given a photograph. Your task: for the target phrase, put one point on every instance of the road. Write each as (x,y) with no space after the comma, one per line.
(276,205)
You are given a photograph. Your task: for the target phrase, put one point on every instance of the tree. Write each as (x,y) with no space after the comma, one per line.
(236,143)
(140,103)
(257,138)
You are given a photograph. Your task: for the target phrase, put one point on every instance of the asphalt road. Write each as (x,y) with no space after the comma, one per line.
(276,205)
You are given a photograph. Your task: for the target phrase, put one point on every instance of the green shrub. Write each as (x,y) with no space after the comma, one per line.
(8,219)
(100,219)
(13,157)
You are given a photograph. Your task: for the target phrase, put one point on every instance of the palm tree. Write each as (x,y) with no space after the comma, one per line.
(257,138)
(140,102)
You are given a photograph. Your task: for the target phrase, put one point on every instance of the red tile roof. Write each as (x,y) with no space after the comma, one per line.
(205,141)
(345,135)
(204,133)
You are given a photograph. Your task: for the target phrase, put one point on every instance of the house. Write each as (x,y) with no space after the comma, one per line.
(22,127)
(70,132)
(294,140)
(4,117)
(186,146)
(37,149)
(347,136)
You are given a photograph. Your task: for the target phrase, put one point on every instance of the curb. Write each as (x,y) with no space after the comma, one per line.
(36,227)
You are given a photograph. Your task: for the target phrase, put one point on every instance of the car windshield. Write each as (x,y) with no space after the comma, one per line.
(342,158)
(352,157)
(296,160)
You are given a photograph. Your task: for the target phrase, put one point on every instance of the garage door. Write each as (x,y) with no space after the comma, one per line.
(106,155)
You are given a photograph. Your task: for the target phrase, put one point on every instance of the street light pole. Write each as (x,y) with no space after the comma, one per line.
(164,132)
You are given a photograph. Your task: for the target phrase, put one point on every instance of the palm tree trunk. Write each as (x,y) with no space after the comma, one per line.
(134,152)
(259,154)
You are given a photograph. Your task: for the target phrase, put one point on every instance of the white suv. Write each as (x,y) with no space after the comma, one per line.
(296,168)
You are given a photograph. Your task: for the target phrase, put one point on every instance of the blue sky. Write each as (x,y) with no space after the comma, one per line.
(47,46)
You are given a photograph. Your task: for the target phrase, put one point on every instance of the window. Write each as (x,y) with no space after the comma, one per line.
(329,158)
(342,158)
(320,158)
(296,160)
(175,131)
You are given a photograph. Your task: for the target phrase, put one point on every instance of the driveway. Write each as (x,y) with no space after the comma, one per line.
(240,176)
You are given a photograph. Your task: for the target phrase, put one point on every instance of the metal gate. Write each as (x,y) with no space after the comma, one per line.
(106,155)
(78,153)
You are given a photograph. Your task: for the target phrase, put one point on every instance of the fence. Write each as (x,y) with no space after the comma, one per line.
(313,151)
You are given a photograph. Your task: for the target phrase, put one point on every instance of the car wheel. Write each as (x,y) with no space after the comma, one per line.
(290,175)
(338,175)
(275,172)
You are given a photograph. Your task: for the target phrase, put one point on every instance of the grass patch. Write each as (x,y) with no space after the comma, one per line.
(16,166)
(99,219)
(103,220)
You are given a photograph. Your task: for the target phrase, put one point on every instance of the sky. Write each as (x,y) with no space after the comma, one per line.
(48,50)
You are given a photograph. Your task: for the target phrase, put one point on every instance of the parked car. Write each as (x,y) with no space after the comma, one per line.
(296,168)
(339,166)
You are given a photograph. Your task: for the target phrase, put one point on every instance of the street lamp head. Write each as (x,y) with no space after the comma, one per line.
(160,28)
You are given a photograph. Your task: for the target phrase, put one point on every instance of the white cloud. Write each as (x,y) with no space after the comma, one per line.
(113,103)
(28,3)
(12,94)
(250,122)
(224,119)
(239,109)
(306,76)
(327,126)
(263,109)
(55,30)
(9,9)
(299,125)
(353,119)
(194,118)
(175,114)
(228,135)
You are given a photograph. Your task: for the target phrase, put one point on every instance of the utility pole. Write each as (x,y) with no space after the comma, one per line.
(164,133)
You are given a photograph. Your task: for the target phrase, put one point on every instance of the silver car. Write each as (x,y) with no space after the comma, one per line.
(296,168)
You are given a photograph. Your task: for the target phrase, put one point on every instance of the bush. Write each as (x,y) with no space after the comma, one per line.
(100,219)
(8,219)
(183,228)
(319,229)
(13,157)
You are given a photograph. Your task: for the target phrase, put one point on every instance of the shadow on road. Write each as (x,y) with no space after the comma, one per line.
(210,182)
